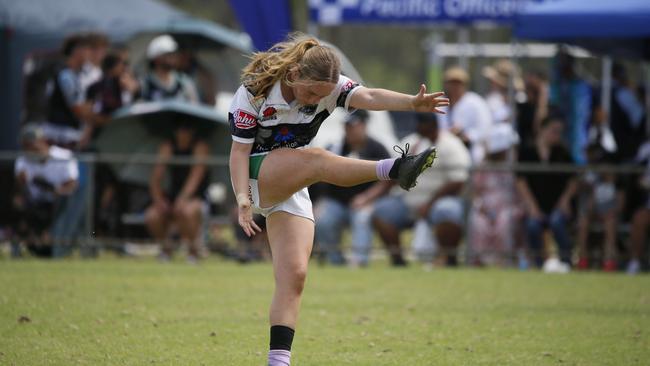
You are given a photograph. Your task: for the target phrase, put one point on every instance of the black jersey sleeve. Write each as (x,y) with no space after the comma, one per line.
(243,117)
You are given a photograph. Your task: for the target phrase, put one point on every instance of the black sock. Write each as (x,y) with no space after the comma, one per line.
(281,337)
(392,174)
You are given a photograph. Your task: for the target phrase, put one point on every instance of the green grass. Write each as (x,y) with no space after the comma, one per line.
(139,312)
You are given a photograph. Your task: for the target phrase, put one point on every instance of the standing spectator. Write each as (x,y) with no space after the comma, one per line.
(548,195)
(573,97)
(45,175)
(495,212)
(67,106)
(163,81)
(532,111)
(497,99)
(201,76)
(469,116)
(350,205)
(627,115)
(641,216)
(182,205)
(91,71)
(106,96)
(436,197)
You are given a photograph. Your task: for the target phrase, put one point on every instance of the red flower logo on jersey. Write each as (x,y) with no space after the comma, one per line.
(269,113)
(244,120)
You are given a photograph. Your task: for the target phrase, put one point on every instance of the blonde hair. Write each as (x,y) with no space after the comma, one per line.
(313,61)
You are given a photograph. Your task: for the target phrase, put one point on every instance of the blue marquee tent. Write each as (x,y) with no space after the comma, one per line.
(620,28)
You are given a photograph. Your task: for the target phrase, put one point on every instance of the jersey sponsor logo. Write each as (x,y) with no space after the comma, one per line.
(244,120)
(269,114)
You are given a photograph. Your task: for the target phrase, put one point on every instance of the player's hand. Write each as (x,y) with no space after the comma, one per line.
(245,215)
(423,102)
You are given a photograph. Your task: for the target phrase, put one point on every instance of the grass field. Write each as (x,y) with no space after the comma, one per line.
(140,312)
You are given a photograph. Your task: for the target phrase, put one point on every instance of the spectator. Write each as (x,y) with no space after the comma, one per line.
(548,195)
(641,216)
(532,111)
(599,201)
(91,71)
(183,204)
(201,76)
(469,116)
(627,115)
(163,82)
(497,99)
(573,97)
(255,248)
(436,197)
(106,96)
(351,205)
(67,106)
(495,212)
(45,175)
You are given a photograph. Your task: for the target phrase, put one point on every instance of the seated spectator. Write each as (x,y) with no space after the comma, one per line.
(641,216)
(599,197)
(436,197)
(547,195)
(45,175)
(183,203)
(495,212)
(68,109)
(163,81)
(469,116)
(351,206)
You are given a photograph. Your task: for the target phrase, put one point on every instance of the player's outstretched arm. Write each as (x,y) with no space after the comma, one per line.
(383,99)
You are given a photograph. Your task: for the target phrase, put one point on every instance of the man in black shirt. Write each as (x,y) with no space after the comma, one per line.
(547,195)
(352,205)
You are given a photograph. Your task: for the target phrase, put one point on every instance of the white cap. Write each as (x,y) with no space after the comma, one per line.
(160,46)
(501,137)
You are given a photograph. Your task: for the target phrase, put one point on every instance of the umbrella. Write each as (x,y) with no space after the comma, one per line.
(137,130)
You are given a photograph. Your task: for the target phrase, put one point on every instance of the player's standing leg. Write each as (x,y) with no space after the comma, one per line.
(291,238)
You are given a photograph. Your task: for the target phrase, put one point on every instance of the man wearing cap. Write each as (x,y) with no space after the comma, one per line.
(163,81)
(350,205)
(469,116)
(44,175)
(436,198)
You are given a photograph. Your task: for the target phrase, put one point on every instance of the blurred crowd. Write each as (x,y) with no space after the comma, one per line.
(516,181)
(523,178)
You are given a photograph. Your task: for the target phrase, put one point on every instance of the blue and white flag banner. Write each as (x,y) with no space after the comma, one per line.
(337,12)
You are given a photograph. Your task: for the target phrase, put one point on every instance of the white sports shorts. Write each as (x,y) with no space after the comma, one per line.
(298,204)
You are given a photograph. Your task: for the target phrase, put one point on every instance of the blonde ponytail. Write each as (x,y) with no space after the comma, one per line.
(314,62)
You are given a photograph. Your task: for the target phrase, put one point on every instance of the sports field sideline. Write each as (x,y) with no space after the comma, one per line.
(141,312)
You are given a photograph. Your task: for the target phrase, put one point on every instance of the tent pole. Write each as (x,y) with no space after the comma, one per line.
(463,43)
(606,87)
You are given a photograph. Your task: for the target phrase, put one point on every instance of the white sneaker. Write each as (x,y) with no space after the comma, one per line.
(554,265)
(633,267)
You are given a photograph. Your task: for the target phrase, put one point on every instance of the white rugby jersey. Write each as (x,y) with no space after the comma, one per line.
(271,123)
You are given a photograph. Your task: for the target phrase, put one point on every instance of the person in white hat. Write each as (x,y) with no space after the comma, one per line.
(494,212)
(163,80)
